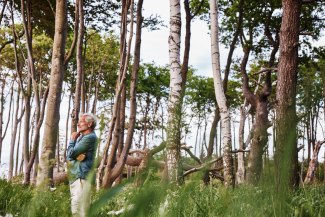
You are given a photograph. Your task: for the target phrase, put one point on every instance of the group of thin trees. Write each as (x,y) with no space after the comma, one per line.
(88,54)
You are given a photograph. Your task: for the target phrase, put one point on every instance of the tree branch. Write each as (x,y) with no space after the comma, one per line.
(204,166)
(187,149)
(266,70)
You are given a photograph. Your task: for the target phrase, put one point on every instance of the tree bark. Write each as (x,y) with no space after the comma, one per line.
(80,71)
(220,97)
(213,132)
(16,121)
(173,154)
(286,156)
(313,163)
(109,175)
(45,171)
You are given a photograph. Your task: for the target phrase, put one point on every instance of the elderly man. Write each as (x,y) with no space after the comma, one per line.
(81,154)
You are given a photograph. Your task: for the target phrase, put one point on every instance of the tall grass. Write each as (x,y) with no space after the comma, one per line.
(154,199)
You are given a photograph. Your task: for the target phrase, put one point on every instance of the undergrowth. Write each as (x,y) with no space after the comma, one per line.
(154,199)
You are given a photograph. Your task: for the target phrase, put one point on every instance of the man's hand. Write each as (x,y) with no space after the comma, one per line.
(81,157)
(75,135)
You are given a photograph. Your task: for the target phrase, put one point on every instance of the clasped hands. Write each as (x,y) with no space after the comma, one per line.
(74,136)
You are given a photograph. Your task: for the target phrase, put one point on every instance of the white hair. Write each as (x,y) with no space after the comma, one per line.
(90,118)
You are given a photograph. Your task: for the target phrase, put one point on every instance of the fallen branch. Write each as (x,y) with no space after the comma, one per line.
(239,150)
(201,167)
(187,149)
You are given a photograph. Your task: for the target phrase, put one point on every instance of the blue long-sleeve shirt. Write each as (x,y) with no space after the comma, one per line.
(86,144)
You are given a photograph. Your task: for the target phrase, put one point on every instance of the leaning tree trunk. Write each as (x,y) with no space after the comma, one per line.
(286,156)
(313,163)
(45,170)
(173,155)
(220,96)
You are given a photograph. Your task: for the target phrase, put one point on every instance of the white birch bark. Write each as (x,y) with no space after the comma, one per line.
(220,95)
(174,106)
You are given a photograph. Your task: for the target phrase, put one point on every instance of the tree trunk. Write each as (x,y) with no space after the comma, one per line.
(67,131)
(220,96)
(16,121)
(79,58)
(114,134)
(313,163)
(17,150)
(45,171)
(286,156)
(2,102)
(213,132)
(173,154)
(39,122)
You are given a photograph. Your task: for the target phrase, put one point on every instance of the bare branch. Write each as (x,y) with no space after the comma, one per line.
(187,149)
(266,70)
(239,150)
(204,166)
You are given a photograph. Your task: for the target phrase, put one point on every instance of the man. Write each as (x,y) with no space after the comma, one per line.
(81,154)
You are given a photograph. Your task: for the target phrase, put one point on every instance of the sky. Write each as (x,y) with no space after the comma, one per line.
(154,45)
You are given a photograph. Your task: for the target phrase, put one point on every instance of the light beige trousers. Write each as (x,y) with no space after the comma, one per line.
(80,197)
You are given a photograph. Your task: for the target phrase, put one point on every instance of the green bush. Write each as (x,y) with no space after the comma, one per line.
(13,198)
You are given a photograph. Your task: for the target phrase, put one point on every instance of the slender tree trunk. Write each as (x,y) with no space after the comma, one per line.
(77,97)
(16,121)
(94,110)
(67,131)
(35,170)
(58,152)
(107,178)
(45,171)
(2,101)
(145,127)
(233,44)
(34,153)
(213,132)
(17,149)
(220,96)
(4,4)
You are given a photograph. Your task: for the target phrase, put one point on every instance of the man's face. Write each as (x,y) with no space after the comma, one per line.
(83,125)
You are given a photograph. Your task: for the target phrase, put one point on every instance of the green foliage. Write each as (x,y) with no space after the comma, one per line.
(101,65)
(156,199)
(309,201)
(50,203)
(14,198)
(153,80)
